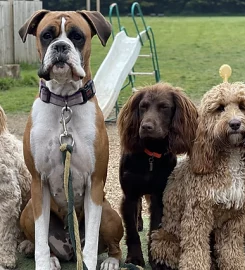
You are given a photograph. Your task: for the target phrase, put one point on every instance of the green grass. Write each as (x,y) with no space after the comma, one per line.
(190,52)
(28,263)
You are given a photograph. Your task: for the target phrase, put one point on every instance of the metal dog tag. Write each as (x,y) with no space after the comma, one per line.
(151,159)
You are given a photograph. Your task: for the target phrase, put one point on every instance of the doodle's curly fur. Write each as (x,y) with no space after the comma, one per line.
(206,191)
(15,184)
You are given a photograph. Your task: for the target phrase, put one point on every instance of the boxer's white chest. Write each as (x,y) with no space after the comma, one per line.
(45,147)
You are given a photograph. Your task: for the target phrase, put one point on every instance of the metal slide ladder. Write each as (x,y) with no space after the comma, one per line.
(145,36)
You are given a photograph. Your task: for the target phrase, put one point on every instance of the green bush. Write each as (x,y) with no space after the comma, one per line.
(28,80)
(27,66)
(6,83)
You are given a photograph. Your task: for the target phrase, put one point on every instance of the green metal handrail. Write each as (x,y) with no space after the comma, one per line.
(150,36)
(113,7)
(154,53)
(133,7)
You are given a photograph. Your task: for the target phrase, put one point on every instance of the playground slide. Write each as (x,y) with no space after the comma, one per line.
(115,68)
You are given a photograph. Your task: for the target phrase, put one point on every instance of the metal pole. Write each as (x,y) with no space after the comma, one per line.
(98,5)
(88,6)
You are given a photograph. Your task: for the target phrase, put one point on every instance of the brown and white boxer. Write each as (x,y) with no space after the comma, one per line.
(67,92)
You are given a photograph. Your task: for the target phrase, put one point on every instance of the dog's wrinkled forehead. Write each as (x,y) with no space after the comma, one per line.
(223,94)
(63,23)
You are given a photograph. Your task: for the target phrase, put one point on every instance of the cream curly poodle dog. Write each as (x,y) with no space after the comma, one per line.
(206,191)
(14,192)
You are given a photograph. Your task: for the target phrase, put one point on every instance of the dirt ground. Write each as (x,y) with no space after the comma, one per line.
(16,125)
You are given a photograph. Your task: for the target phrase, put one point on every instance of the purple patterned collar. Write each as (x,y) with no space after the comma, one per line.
(80,97)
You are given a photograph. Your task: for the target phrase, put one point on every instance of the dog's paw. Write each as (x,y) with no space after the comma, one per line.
(26,248)
(136,260)
(7,261)
(54,263)
(110,264)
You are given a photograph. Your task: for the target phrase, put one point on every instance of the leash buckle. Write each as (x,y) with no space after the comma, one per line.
(64,120)
(66,136)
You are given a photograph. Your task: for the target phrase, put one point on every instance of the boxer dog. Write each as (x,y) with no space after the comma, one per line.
(66,111)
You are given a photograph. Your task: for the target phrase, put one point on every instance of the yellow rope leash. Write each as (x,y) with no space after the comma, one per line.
(63,148)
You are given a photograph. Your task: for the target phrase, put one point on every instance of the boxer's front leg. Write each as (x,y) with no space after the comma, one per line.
(41,211)
(92,225)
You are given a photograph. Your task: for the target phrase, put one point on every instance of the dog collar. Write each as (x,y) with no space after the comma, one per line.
(152,154)
(80,97)
(151,158)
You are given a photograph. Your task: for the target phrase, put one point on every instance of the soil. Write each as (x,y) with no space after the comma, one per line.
(16,125)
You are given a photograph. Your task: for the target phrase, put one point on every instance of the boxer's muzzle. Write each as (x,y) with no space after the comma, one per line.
(61,58)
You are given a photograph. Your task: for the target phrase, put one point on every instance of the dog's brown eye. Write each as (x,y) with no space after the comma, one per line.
(162,107)
(143,106)
(221,108)
(47,36)
(77,36)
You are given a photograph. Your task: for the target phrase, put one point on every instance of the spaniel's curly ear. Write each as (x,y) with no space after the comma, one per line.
(128,123)
(203,154)
(184,123)
(3,120)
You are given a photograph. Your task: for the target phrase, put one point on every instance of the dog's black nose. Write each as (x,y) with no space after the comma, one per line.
(235,124)
(147,126)
(61,47)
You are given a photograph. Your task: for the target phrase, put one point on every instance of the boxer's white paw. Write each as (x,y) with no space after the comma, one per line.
(54,263)
(27,248)
(110,264)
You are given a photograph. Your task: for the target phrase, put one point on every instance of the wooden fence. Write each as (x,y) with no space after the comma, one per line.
(13,14)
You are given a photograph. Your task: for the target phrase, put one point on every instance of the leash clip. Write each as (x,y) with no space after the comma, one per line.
(64,120)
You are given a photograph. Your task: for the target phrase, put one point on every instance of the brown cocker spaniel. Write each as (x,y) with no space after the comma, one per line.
(156,123)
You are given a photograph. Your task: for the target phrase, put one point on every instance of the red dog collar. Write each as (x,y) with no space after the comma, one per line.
(152,154)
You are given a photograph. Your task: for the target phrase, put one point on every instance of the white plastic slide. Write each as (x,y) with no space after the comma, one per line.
(115,68)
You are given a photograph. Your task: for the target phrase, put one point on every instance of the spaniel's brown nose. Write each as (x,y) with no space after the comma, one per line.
(147,126)
(235,124)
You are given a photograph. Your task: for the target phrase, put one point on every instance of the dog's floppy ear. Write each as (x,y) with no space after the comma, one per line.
(203,152)
(128,123)
(98,23)
(30,26)
(184,123)
(3,120)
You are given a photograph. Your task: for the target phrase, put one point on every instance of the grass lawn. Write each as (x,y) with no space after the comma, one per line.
(190,52)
